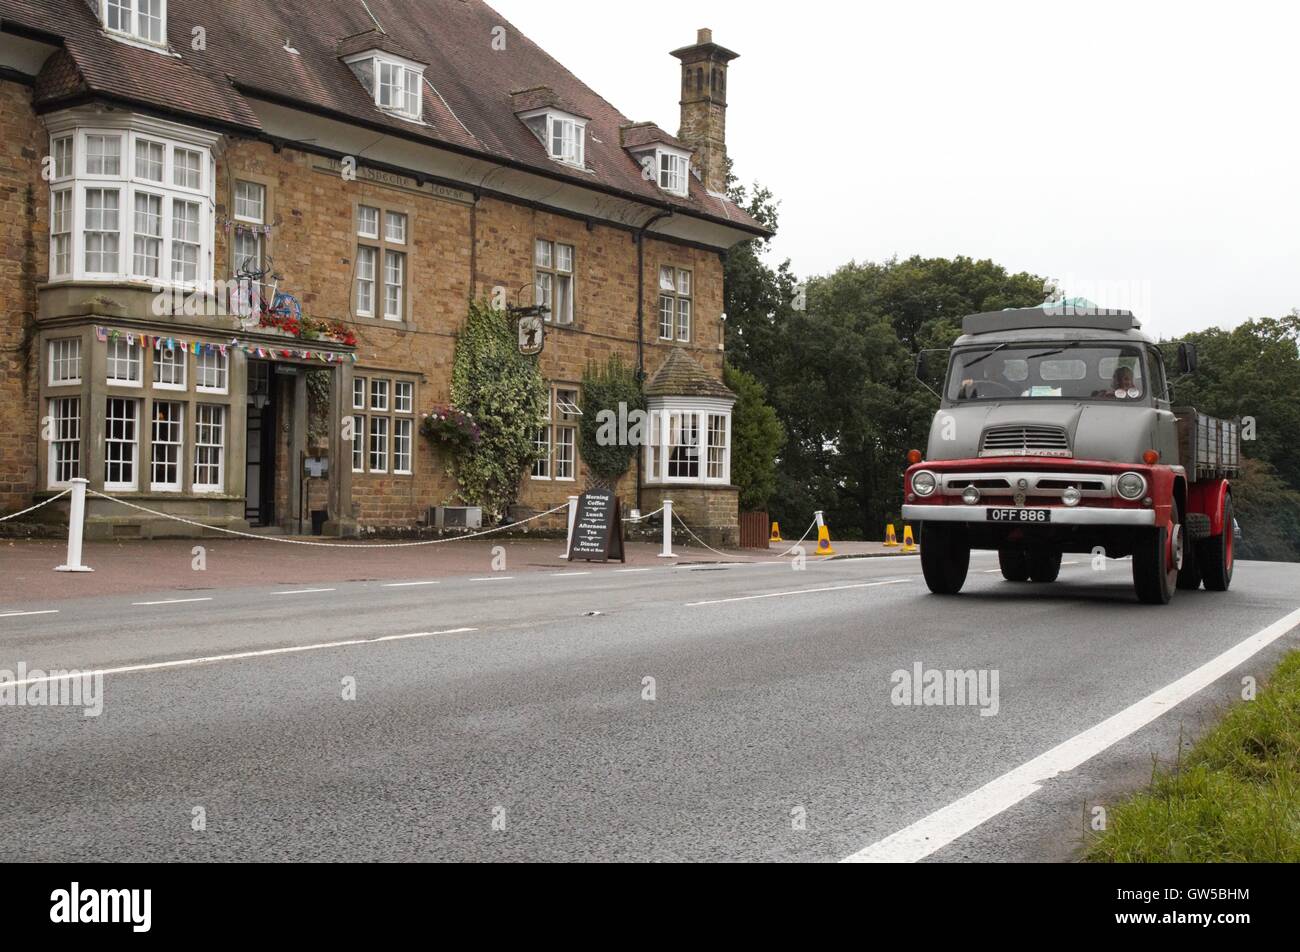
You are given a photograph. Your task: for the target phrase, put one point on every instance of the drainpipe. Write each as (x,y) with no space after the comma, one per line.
(640,328)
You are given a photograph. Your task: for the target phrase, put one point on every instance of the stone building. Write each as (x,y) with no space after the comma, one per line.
(167,167)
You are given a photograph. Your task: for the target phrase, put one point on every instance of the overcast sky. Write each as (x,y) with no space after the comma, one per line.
(1143,154)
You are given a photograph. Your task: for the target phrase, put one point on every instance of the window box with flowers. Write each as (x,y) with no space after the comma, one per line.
(308,328)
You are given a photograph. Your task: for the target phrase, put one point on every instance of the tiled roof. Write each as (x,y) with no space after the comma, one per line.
(680,376)
(374,40)
(542,97)
(639,134)
(245,58)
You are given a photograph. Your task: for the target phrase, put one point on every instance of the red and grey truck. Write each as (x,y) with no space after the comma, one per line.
(1056,434)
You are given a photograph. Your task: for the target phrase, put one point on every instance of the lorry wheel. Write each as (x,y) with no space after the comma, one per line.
(1014,564)
(1189,576)
(1155,575)
(1044,564)
(1215,555)
(945,558)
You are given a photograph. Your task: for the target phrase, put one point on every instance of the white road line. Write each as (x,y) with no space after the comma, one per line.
(940,828)
(633,570)
(174,601)
(406,584)
(239,656)
(51,611)
(306,591)
(801,591)
(568,574)
(493,578)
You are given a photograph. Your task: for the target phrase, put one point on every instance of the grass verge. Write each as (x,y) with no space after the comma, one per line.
(1234,798)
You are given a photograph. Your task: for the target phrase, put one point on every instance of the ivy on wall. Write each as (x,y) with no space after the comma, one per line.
(503,391)
(613,388)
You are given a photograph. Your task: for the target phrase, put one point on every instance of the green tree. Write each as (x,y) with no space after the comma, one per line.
(612,389)
(503,391)
(756,439)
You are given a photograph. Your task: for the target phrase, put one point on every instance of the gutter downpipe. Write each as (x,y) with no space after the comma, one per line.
(640,328)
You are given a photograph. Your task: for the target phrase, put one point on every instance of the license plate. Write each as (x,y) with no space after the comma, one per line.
(1020,515)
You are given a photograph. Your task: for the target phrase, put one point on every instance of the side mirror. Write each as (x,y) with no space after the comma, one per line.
(922,368)
(1186,358)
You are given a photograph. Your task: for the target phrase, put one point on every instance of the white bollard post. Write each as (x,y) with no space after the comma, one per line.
(573,520)
(667,553)
(76,524)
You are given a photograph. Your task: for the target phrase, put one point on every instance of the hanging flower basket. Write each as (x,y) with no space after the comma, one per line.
(451,428)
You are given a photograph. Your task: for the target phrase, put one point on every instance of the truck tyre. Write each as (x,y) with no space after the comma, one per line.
(1215,555)
(1014,564)
(1189,576)
(945,558)
(1044,564)
(1155,570)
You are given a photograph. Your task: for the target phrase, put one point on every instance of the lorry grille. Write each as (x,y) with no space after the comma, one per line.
(1025,441)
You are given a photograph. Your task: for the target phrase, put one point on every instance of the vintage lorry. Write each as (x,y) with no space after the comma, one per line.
(1056,433)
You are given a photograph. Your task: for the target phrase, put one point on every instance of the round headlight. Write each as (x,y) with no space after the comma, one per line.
(1131,485)
(970,495)
(1071,496)
(924,483)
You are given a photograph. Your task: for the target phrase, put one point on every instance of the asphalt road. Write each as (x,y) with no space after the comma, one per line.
(519,700)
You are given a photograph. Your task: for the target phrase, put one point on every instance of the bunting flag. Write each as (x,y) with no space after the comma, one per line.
(197,347)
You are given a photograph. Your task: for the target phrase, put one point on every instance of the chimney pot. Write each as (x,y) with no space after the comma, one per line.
(705,35)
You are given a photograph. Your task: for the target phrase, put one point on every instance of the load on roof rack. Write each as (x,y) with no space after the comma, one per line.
(1028,318)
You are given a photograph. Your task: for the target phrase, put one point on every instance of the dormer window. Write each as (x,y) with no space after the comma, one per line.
(394,82)
(674,169)
(143,20)
(567,139)
(399,89)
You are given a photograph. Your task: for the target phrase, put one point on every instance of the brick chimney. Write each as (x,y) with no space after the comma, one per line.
(704,107)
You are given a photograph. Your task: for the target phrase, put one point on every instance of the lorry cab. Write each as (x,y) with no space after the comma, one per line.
(1056,432)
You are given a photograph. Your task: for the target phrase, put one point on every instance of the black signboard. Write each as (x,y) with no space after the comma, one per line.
(598,529)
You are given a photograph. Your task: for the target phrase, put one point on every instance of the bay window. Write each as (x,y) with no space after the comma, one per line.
(131,203)
(688,440)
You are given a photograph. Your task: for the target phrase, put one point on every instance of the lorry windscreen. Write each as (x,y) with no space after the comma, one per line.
(1071,370)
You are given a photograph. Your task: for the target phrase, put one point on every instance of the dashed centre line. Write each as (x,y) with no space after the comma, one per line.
(800,591)
(306,591)
(48,611)
(175,601)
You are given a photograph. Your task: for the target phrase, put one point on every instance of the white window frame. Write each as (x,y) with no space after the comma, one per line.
(674,169)
(406,81)
(554,281)
(147,21)
(177,444)
(400,424)
(251,212)
(71,132)
(382,256)
(222,369)
(134,361)
(659,439)
(359,443)
(59,348)
(566,139)
(180,358)
(676,303)
(66,432)
(379,446)
(558,420)
(133,443)
(218,418)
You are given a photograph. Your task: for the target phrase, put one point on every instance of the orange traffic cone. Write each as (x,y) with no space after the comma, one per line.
(824,541)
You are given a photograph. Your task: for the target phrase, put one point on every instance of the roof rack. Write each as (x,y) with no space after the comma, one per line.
(1028,318)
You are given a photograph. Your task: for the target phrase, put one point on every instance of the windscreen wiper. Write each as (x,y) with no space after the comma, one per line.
(983,357)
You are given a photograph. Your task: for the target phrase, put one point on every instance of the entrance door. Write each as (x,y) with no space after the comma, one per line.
(259,482)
